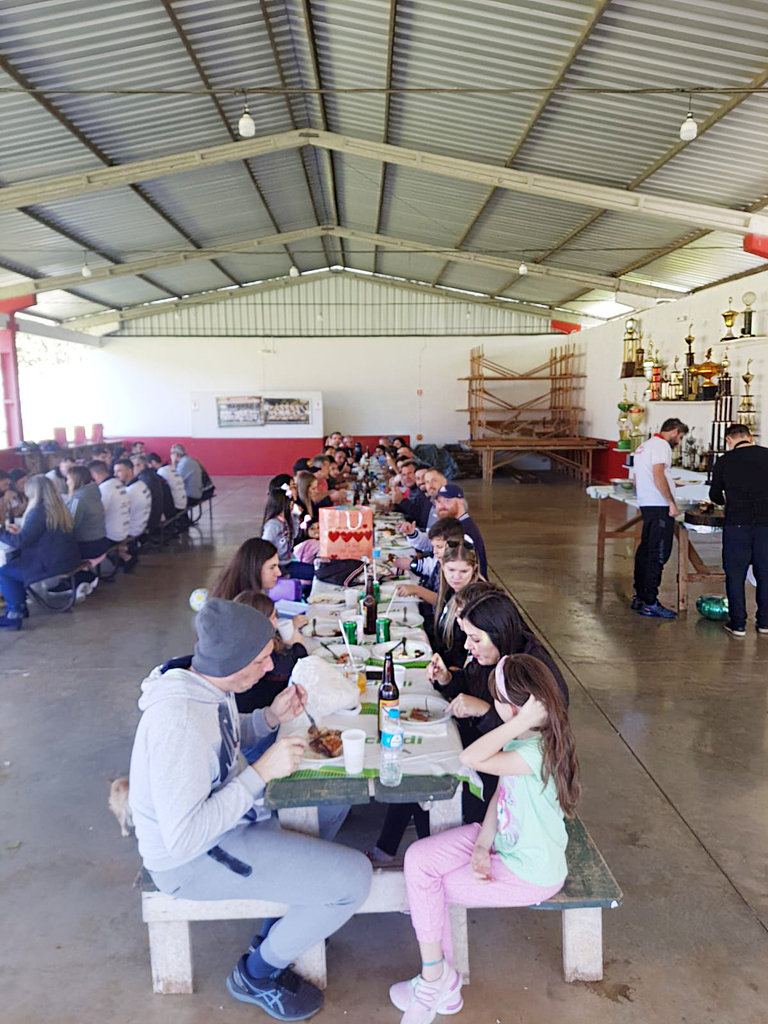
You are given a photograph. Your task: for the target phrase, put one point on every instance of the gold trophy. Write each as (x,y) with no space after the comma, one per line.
(635,413)
(729,316)
(624,407)
(630,342)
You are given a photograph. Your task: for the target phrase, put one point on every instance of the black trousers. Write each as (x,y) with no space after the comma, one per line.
(653,552)
(744,546)
(396,821)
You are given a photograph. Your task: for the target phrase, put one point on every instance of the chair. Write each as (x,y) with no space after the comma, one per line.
(60,436)
(97,433)
(79,435)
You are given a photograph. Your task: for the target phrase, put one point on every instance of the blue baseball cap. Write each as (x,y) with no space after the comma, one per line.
(450,491)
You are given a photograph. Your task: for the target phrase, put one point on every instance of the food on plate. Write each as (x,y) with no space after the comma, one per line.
(330,597)
(325,742)
(416,715)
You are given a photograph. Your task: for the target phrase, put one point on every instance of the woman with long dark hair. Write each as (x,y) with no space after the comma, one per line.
(254,566)
(278,528)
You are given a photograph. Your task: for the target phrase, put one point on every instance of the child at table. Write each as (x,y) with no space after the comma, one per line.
(516,858)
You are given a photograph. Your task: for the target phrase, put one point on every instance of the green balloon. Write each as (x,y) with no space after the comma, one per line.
(713,606)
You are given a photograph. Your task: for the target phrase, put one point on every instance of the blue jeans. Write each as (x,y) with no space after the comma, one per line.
(744,546)
(13,589)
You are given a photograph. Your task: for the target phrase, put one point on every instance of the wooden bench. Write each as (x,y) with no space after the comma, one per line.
(589,890)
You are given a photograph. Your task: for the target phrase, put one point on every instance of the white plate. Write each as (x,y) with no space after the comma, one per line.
(340,649)
(414,651)
(436,705)
(350,712)
(324,629)
(395,616)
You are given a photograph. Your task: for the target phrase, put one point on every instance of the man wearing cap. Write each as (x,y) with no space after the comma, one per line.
(202,826)
(450,501)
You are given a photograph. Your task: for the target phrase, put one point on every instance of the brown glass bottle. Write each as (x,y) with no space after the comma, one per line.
(369,606)
(389,695)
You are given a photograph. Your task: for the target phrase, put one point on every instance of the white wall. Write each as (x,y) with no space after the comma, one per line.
(665,327)
(143,386)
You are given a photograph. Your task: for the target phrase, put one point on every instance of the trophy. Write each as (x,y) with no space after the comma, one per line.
(636,413)
(706,371)
(630,342)
(639,355)
(729,316)
(689,389)
(746,331)
(746,411)
(624,406)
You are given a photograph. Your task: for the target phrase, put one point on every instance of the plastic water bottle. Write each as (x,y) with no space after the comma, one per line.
(391,771)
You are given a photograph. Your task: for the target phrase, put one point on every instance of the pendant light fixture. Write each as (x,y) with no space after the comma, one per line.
(294,271)
(523,268)
(85,270)
(246,126)
(689,129)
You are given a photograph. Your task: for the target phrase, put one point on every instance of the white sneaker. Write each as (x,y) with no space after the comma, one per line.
(422,1000)
(82,591)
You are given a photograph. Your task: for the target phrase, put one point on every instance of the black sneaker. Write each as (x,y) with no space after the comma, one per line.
(282,994)
(735,630)
(637,604)
(65,587)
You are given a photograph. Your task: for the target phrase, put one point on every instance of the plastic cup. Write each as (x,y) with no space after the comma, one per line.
(285,629)
(353,744)
(354,670)
(350,598)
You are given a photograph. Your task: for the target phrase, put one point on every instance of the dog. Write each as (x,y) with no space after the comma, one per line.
(118,804)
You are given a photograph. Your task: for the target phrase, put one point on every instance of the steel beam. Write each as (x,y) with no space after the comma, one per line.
(714,218)
(168,259)
(278,284)
(25,325)
(181,258)
(385,129)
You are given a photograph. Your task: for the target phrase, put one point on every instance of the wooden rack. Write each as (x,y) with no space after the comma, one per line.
(547,423)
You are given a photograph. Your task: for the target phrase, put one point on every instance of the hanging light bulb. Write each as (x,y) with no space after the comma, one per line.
(468,314)
(294,271)
(85,270)
(246,126)
(319,318)
(523,268)
(689,129)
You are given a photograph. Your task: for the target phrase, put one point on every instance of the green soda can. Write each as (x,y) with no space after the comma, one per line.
(377,591)
(382,630)
(350,632)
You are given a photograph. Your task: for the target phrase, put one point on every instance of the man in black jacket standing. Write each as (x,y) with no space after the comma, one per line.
(740,482)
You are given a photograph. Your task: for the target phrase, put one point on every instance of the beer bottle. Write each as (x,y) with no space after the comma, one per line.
(389,695)
(369,606)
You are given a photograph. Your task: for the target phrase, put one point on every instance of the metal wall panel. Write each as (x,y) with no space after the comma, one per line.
(343,305)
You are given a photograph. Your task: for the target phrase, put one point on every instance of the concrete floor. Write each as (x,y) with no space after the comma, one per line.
(670,721)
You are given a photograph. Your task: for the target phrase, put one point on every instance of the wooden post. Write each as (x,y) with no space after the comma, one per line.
(600,569)
(583,944)
(682,567)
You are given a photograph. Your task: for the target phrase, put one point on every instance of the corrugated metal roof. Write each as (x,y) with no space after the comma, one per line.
(342,304)
(610,139)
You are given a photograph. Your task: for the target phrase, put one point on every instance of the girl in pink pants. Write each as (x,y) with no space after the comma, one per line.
(516,858)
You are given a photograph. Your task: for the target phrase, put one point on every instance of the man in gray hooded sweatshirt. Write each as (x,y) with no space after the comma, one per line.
(203,828)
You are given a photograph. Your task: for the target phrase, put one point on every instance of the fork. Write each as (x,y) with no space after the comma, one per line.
(311,719)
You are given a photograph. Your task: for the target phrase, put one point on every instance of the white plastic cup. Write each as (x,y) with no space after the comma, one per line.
(353,744)
(285,629)
(350,598)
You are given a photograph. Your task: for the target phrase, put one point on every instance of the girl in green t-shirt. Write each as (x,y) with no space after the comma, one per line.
(516,858)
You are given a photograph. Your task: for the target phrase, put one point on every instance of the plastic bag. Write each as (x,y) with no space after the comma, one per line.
(328,691)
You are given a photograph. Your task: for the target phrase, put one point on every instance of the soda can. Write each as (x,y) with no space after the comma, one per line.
(350,632)
(382,630)
(377,591)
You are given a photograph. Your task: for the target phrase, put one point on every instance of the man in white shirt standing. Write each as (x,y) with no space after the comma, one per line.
(655,489)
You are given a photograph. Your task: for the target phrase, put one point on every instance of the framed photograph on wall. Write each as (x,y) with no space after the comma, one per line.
(239,412)
(287,410)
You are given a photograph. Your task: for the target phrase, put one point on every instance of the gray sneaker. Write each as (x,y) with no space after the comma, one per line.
(282,994)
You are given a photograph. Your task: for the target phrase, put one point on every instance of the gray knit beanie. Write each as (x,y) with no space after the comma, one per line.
(229,636)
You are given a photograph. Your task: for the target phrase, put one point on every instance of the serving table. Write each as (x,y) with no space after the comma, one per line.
(691,568)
